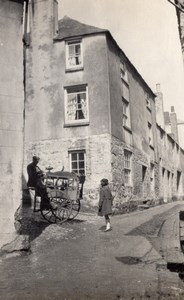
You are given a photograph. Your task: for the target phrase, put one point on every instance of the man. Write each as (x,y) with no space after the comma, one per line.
(33,172)
(35,180)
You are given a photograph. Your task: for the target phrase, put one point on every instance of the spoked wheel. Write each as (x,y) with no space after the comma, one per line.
(64,209)
(61,213)
(48,215)
(75,208)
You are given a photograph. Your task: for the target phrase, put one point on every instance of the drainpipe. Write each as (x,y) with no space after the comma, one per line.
(25,44)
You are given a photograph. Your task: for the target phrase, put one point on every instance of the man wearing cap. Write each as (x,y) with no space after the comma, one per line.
(33,172)
(35,180)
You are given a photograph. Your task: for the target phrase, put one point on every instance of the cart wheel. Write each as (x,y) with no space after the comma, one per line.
(75,208)
(48,215)
(64,209)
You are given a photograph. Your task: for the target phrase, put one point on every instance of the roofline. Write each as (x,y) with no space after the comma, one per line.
(57,39)
(132,66)
(107,32)
(170,137)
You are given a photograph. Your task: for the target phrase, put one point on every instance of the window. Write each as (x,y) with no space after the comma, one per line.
(152,176)
(127,166)
(150,134)
(126,113)
(123,72)
(178,179)
(124,81)
(144,169)
(148,100)
(125,90)
(76,104)
(77,162)
(74,54)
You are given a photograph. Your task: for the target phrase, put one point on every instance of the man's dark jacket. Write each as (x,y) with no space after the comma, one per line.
(33,172)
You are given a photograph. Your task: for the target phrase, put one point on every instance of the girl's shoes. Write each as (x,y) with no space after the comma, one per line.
(108,227)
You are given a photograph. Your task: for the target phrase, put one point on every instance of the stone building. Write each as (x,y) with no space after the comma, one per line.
(88,109)
(170,154)
(11,112)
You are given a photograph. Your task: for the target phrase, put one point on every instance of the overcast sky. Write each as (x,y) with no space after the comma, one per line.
(146,30)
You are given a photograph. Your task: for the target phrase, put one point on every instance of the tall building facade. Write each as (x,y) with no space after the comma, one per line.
(88,109)
(11,112)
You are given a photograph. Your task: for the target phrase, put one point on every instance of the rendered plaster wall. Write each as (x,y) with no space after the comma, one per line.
(95,75)
(11,112)
(47,78)
(41,88)
(138,90)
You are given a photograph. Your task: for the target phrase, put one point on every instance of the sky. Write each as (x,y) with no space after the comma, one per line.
(147,31)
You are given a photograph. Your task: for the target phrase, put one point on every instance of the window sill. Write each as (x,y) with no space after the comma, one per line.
(76,124)
(125,100)
(125,82)
(127,128)
(74,69)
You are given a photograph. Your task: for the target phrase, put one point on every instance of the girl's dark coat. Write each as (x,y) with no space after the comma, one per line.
(105,201)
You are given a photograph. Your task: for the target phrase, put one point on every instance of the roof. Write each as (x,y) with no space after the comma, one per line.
(68,28)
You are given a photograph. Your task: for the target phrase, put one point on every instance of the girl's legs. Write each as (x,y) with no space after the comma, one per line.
(107,220)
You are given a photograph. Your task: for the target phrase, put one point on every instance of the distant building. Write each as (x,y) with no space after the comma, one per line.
(88,109)
(170,153)
(11,111)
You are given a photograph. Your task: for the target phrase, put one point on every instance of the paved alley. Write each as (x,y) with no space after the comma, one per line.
(77,260)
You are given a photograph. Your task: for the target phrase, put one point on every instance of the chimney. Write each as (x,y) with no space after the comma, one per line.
(174,127)
(40,60)
(172,109)
(158,87)
(159,107)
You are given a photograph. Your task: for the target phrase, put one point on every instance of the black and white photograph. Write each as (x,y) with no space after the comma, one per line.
(91,149)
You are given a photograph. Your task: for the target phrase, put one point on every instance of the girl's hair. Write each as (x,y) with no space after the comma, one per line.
(105,181)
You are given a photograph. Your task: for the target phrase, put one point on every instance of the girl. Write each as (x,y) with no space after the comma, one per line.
(105,202)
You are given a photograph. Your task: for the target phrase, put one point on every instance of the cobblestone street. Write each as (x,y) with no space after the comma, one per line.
(77,260)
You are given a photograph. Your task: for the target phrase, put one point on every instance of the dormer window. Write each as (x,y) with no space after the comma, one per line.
(74,58)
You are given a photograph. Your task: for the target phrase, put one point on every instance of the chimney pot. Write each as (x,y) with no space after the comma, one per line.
(158,87)
(172,109)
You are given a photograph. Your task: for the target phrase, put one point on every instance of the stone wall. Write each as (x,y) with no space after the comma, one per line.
(139,190)
(55,153)
(170,162)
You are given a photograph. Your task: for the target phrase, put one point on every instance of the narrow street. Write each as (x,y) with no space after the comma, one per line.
(77,260)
